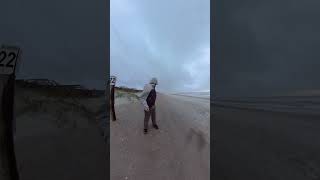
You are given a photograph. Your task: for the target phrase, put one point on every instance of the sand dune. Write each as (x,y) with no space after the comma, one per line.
(58,137)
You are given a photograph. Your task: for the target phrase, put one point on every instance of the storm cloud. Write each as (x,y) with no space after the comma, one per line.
(166,39)
(66,41)
(266,47)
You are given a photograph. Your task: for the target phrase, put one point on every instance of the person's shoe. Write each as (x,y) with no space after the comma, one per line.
(156,126)
(145,131)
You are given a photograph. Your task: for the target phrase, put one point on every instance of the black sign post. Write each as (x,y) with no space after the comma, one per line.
(8,165)
(112,85)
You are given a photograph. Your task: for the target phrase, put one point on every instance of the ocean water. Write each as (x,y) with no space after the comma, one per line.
(292,104)
(205,94)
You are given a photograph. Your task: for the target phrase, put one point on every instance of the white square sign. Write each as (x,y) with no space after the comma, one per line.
(113,80)
(8,59)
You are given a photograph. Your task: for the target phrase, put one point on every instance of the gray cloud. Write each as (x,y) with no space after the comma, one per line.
(61,40)
(266,47)
(166,39)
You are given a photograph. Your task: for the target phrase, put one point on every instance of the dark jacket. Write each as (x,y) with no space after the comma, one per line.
(145,94)
(151,99)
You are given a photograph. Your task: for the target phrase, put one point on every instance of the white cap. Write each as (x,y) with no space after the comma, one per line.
(154,81)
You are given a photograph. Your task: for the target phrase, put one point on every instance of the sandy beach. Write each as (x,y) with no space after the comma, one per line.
(262,144)
(179,150)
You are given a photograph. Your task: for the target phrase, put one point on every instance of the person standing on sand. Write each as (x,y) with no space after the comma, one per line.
(148,99)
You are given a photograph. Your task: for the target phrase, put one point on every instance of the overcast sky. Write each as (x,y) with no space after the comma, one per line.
(166,39)
(267,47)
(61,40)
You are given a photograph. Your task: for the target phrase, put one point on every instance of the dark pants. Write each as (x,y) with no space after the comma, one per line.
(147,114)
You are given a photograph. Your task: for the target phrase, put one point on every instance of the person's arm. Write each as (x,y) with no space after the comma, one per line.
(143,97)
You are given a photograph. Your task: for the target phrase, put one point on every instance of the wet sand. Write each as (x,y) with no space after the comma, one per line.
(264,145)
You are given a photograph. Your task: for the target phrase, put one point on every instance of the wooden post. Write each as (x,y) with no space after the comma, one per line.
(8,166)
(112,85)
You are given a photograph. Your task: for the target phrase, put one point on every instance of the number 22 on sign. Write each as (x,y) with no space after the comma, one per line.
(8,59)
